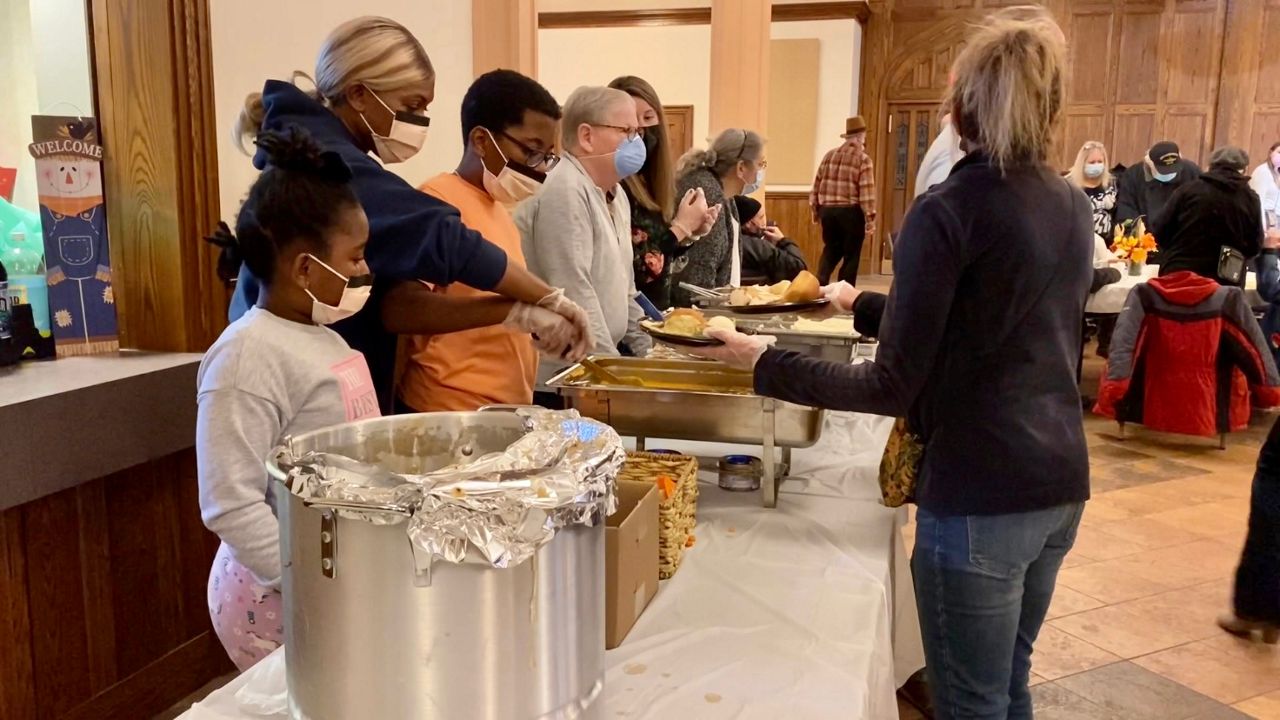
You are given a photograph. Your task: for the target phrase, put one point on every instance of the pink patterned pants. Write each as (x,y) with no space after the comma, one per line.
(247,617)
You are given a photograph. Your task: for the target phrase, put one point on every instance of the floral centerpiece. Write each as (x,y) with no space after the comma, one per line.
(1133,244)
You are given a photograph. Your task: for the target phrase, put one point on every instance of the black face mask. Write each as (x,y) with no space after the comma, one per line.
(650,141)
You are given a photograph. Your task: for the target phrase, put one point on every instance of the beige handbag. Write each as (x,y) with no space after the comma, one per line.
(900,465)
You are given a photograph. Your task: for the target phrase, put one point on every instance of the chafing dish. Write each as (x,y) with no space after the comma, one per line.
(692,400)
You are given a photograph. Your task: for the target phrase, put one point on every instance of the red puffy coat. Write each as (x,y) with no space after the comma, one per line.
(1185,354)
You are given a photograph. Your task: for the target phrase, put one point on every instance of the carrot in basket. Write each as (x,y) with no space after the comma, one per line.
(667,486)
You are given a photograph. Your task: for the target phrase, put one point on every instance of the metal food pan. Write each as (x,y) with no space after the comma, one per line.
(691,400)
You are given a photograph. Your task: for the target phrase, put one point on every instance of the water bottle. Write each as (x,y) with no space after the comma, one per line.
(5,332)
(25,262)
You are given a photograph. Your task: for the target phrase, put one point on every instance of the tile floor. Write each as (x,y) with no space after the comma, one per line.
(1131,632)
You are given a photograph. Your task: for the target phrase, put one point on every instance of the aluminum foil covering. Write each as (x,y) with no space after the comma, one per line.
(504,505)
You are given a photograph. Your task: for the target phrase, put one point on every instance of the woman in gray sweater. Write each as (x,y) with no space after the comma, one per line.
(733,165)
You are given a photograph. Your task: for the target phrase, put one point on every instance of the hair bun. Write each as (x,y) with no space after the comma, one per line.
(231,257)
(293,149)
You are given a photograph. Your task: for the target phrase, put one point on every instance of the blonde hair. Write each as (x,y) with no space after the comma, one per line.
(654,187)
(378,53)
(1076,174)
(730,147)
(587,105)
(1009,82)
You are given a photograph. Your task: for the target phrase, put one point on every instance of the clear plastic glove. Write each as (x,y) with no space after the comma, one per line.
(842,295)
(739,350)
(708,219)
(553,335)
(557,303)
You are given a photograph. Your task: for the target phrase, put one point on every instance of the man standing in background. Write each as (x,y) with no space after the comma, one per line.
(844,201)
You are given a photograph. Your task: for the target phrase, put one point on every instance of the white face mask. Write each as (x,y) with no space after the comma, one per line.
(407,135)
(513,183)
(354,296)
(754,186)
(1094,170)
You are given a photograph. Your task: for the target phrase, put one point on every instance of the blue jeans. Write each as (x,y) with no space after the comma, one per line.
(983,585)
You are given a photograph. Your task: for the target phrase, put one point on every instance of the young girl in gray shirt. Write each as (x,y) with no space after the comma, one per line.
(277,371)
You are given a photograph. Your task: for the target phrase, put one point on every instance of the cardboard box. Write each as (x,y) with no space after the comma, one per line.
(631,558)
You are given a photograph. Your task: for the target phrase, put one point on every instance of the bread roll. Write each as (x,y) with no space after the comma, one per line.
(803,289)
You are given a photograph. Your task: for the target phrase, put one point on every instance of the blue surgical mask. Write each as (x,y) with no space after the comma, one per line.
(629,157)
(1094,170)
(1165,177)
(754,186)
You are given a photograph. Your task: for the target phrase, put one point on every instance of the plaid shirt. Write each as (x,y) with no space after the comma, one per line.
(846,177)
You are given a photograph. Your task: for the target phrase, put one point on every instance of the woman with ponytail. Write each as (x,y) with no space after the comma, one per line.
(277,370)
(978,351)
(373,84)
(733,165)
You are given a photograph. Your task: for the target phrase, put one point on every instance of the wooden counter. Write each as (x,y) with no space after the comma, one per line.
(103,557)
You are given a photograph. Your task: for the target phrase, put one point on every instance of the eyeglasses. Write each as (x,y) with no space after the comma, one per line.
(533,158)
(630,132)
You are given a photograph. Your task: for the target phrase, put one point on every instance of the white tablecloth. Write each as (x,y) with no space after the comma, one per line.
(803,611)
(1110,299)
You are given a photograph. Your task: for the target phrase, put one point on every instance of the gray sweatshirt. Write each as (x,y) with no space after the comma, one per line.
(264,379)
(577,238)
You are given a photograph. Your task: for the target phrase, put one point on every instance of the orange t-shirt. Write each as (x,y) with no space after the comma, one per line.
(465,370)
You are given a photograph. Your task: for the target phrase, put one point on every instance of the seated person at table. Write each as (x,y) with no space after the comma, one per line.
(1267,265)
(1216,210)
(767,256)
(1144,188)
(277,371)
(509,128)
(577,231)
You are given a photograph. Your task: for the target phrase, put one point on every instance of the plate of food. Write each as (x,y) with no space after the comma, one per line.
(797,295)
(686,327)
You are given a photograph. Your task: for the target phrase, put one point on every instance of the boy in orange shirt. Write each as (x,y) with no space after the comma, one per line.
(509,125)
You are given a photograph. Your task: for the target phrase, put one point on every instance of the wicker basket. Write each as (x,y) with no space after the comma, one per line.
(677,513)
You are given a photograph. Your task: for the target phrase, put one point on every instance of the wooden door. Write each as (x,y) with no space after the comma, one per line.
(912,127)
(679,128)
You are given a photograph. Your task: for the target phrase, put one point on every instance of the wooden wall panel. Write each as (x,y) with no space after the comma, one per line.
(17,681)
(1132,137)
(102,605)
(790,210)
(56,599)
(1139,82)
(1091,58)
(1189,131)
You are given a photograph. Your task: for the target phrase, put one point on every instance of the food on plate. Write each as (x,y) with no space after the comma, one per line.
(804,288)
(835,325)
(690,322)
(685,321)
(721,322)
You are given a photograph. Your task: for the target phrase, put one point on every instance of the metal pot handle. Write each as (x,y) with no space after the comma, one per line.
(334,504)
(499,407)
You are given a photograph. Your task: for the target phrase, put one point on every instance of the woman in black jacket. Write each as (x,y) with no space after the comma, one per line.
(1216,210)
(978,350)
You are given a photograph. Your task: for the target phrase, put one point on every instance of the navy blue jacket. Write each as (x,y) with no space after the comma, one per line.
(412,236)
(979,342)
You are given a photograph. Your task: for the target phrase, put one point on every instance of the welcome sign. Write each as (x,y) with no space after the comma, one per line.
(77,253)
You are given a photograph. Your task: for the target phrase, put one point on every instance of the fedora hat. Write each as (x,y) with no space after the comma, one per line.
(854,125)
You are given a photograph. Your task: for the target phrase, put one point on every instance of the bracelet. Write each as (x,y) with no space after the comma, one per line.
(677,226)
